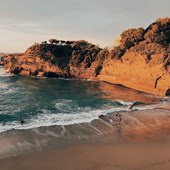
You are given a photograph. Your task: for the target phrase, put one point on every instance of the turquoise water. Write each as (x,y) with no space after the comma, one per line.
(45,102)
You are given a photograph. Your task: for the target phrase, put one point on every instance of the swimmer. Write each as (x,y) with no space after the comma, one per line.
(22,120)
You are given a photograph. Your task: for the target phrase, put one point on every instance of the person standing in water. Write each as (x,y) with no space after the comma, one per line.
(22,120)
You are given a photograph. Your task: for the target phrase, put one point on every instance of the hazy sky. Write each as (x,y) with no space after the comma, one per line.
(23,22)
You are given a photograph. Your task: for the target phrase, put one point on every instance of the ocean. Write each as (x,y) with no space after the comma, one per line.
(46,102)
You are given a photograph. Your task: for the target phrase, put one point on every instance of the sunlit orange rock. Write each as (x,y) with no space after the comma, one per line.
(140,61)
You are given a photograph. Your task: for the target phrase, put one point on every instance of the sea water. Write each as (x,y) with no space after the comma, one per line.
(45,101)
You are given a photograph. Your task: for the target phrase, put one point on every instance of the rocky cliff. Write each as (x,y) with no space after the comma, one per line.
(140,61)
(55,60)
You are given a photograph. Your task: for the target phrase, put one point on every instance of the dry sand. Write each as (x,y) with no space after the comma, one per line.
(96,156)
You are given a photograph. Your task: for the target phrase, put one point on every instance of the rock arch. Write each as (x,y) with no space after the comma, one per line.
(167,92)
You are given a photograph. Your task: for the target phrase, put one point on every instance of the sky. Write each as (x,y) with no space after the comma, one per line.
(24,22)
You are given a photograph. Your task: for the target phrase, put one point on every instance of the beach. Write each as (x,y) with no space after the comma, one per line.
(141,142)
(85,85)
(98,156)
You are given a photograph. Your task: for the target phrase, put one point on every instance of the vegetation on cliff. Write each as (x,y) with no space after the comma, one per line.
(157,34)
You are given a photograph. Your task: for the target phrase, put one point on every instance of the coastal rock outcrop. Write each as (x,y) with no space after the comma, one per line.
(141,61)
(54,60)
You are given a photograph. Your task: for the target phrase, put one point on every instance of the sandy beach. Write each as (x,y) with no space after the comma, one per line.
(97,156)
(84,85)
(141,142)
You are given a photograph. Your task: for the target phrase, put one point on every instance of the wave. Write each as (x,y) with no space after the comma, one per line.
(47,119)
(70,114)
(4,86)
(7,89)
(3,73)
(67,106)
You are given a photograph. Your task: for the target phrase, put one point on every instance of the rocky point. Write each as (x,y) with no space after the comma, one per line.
(141,60)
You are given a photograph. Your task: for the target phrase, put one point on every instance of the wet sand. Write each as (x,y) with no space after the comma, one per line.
(101,155)
(114,92)
(140,143)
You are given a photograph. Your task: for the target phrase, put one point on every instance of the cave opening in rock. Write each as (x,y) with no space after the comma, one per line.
(167,92)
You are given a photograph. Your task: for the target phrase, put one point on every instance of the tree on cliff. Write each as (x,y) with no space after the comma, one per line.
(53,41)
(84,53)
(82,44)
(159,32)
(117,52)
(128,39)
(131,36)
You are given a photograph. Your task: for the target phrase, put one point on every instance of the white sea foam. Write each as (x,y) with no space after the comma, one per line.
(68,106)
(70,113)
(9,91)
(46,118)
(4,86)
(3,73)
(126,103)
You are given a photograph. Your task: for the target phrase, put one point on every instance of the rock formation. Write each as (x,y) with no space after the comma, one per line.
(141,60)
(73,59)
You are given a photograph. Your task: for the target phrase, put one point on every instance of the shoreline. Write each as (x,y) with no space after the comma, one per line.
(112,80)
(96,145)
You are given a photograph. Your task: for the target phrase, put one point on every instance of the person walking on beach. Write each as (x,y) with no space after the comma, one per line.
(130,106)
(118,119)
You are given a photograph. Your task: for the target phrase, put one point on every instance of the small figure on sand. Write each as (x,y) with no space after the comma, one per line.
(118,119)
(22,120)
(101,116)
(111,121)
(130,106)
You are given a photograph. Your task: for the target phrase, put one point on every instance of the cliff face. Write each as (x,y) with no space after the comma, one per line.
(141,61)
